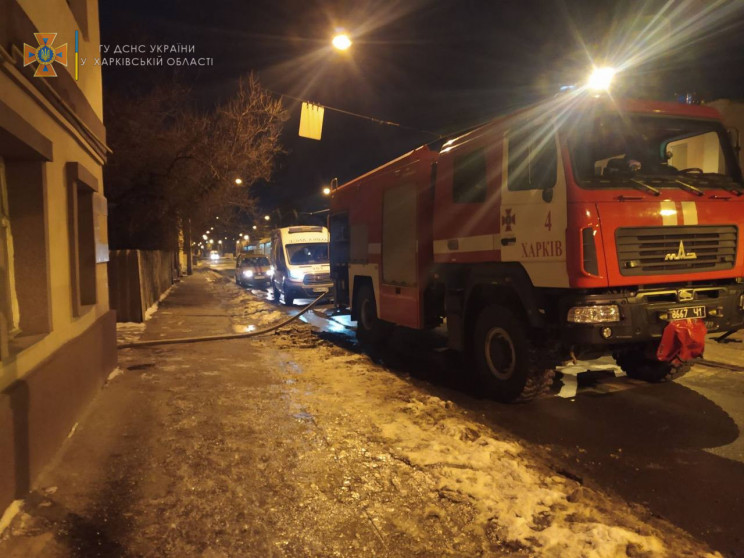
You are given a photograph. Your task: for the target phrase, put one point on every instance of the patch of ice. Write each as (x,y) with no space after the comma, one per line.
(10,512)
(114,373)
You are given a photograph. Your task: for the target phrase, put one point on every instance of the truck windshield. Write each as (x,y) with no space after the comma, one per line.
(310,253)
(612,150)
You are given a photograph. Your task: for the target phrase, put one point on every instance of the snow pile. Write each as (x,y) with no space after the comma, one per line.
(256,312)
(128,332)
(512,498)
(154,308)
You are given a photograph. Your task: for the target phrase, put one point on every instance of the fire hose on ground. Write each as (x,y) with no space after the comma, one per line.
(177,340)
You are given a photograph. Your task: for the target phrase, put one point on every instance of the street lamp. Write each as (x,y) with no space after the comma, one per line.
(341,41)
(254,227)
(601,78)
(326,191)
(268,218)
(238,181)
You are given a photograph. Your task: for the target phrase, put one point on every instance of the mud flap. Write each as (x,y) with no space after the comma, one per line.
(681,341)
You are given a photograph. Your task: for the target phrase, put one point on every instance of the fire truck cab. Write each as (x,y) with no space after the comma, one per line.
(578,227)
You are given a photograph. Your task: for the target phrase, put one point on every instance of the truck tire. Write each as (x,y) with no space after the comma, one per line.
(508,367)
(370,329)
(288,299)
(275,290)
(641,367)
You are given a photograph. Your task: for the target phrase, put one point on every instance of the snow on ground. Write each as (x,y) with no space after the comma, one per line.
(518,501)
(128,332)
(255,312)
(516,498)
(154,308)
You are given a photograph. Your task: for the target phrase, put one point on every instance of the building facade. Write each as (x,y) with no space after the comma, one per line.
(57,333)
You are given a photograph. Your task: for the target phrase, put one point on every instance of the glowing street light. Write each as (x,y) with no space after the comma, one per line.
(254,227)
(341,41)
(238,181)
(326,191)
(601,78)
(268,218)
(204,236)
(246,237)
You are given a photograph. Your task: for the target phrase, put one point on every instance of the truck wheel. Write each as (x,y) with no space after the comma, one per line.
(370,329)
(507,365)
(288,299)
(640,367)
(275,291)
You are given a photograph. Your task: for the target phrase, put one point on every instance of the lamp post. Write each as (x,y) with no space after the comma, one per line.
(341,41)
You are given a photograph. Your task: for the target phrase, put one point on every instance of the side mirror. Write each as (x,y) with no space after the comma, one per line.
(547,195)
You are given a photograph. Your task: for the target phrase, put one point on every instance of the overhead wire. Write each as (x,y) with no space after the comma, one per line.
(358,115)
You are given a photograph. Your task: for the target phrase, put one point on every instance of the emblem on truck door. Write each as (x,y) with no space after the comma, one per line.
(685,295)
(681,254)
(508,220)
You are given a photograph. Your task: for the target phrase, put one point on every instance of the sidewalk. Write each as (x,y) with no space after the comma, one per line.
(171,457)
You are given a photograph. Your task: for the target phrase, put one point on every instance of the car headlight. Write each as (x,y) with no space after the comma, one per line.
(296,274)
(247,273)
(594,314)
(214,256)
(270,272)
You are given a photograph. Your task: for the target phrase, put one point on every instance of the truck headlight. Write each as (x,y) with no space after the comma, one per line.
(594,314)
(270,272)
(296,274)
(247,273)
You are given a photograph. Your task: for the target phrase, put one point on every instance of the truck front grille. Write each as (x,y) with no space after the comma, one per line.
(667,250)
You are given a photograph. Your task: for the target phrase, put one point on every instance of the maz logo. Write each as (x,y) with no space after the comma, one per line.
(681,254)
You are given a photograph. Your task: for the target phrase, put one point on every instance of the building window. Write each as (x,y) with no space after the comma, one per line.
(533,160)
(24,298)
(9,312)
(469,178)
(82,186)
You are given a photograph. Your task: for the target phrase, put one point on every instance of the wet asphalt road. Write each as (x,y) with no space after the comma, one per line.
(674,448)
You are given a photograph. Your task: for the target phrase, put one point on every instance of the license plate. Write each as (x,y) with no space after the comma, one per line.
(684,313)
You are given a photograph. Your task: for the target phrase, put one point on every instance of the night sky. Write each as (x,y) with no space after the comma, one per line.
(436,65)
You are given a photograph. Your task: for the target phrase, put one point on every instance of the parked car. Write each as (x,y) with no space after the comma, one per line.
(253,271)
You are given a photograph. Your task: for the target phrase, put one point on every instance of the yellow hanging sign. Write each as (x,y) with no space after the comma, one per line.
(311,121)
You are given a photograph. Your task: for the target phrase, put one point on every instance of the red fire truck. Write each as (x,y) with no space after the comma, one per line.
(576,228)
